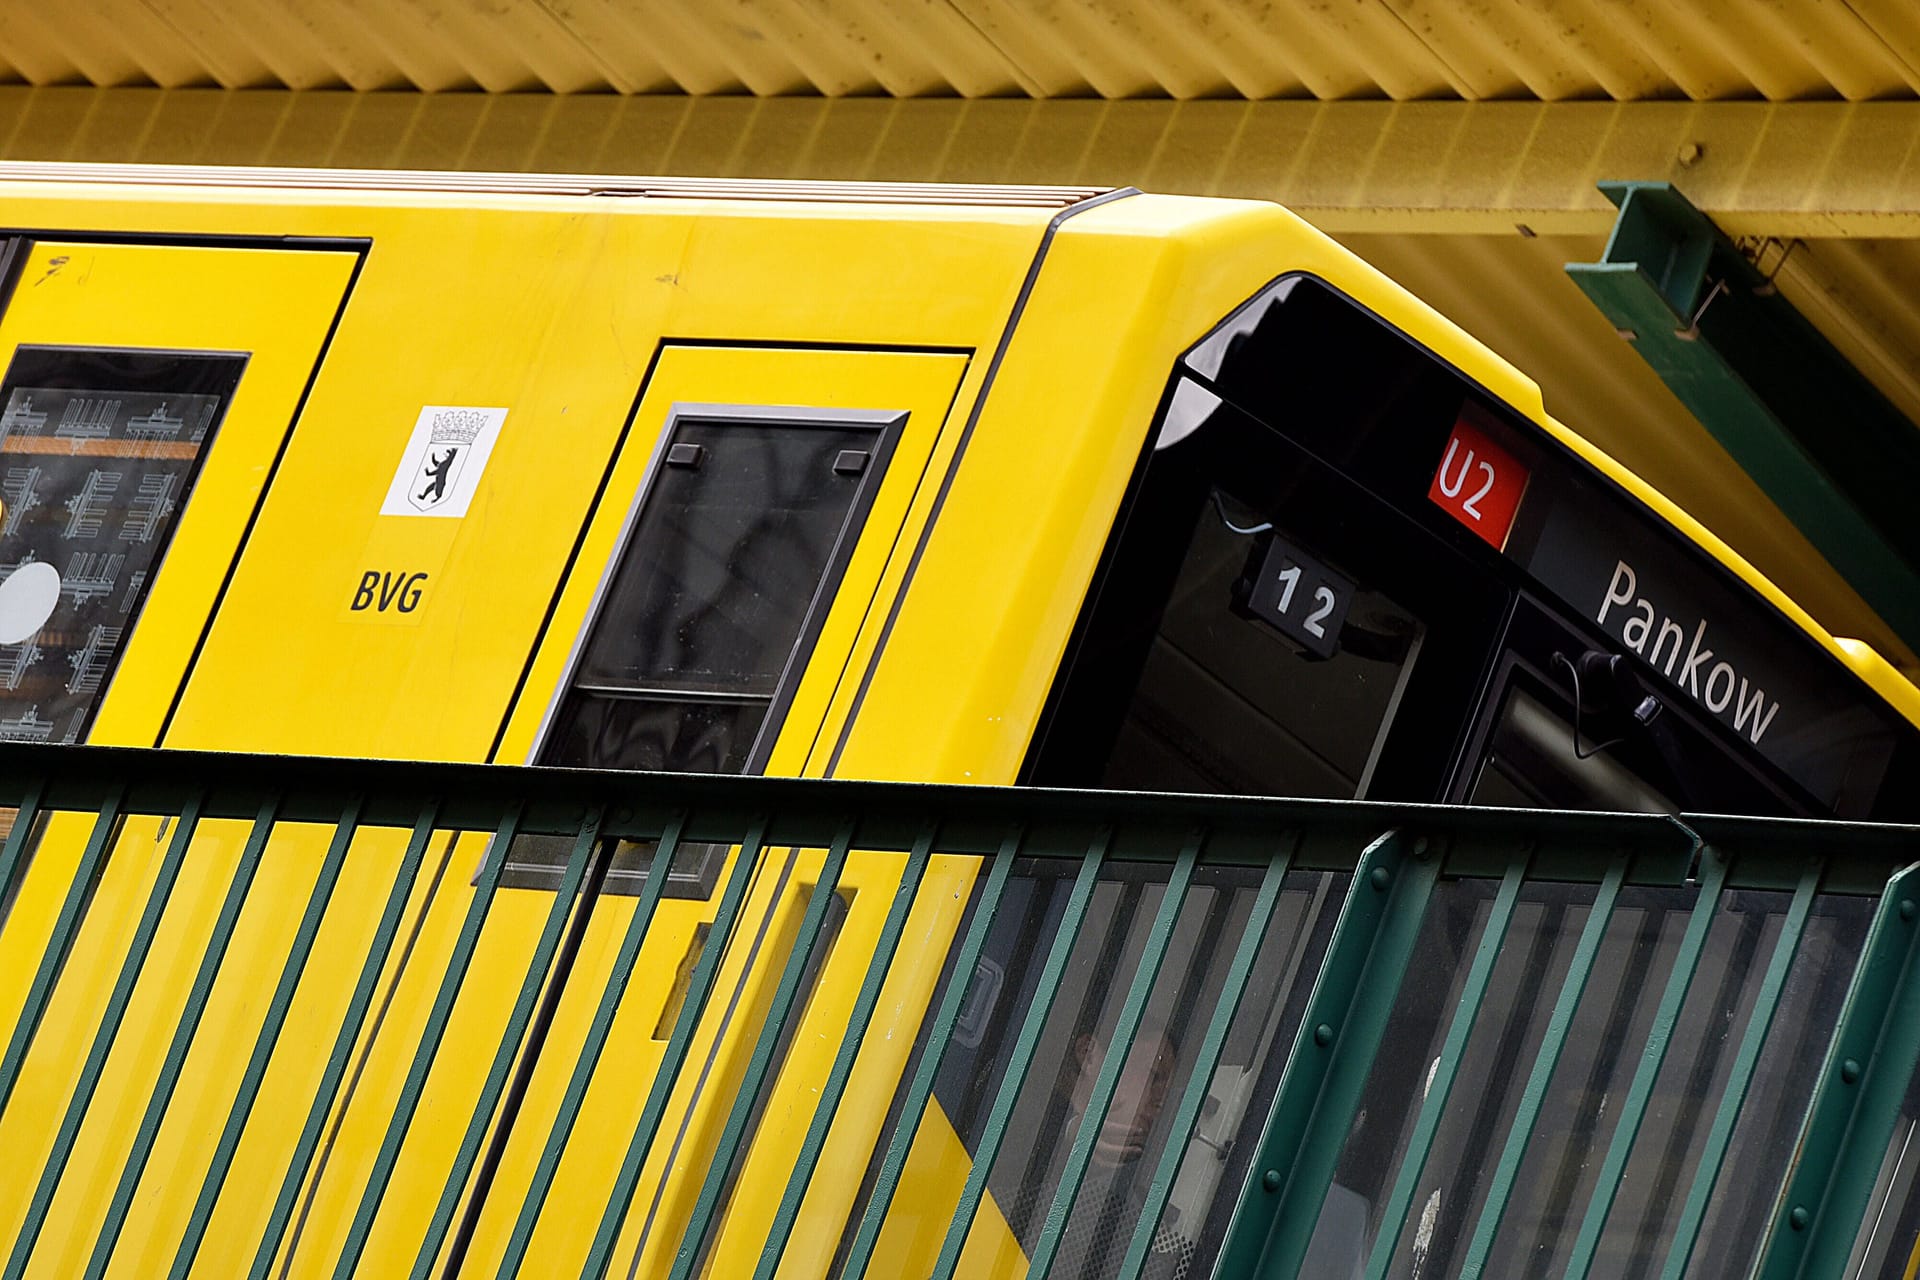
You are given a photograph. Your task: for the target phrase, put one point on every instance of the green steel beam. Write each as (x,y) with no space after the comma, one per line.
(131,966)
(586,848)
(1820,440)
(204,978)
(1339,1035)
(596,1042)
(666,1075)
(276,1019)
(1200,1078)
(378,948)
(1433,1108)
(1506,1172)
(1119,1050)
(1856,1101)
(1066,933)
(764,1060)
(879,964)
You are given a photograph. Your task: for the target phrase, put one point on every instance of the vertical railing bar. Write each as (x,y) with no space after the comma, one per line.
(59,942)
(1686,961)
(1334,1047)
(1720,1135)
(357,1005)
(277,1009)
(914,1105)
(597,1034)
(130,968)
(788,1211)
(1533,1096)
(1854,1109)
(1024,1047)
(1132,1009)
(585,848)
(760,1062)
(348,1035)
(667,1074)
(416,1080)
(1433,1107)
(1199,1081)
(24,817)
(183,1035)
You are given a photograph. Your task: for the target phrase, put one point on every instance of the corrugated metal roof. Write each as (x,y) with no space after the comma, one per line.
(1471,50)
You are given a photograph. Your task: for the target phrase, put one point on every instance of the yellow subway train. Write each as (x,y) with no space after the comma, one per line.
(962,484)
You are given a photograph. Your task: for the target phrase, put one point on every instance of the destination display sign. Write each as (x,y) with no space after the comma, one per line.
(1723,652)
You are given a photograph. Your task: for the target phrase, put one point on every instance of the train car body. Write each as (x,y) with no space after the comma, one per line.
(964,485)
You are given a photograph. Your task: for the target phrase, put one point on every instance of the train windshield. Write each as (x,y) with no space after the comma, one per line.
(1343,570)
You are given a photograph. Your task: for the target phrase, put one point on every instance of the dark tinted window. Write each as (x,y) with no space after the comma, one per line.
(98,451)
(743,529)
(732,557)
(714,587)
(1260,625)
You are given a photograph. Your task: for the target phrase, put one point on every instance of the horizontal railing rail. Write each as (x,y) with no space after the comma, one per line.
(1169,1034)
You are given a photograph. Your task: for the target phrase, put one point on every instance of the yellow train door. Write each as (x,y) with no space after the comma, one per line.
(147,392)
(721,585)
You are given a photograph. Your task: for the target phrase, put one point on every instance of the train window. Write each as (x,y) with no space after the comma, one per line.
(1534,763)
(99,448)
(1572,727)
(704,623)
(1261,625)
(1752,716)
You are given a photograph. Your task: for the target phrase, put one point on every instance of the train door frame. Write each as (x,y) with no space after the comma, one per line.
(909,396)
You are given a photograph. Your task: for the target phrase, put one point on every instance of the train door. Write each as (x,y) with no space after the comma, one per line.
(716,598)
(147,390)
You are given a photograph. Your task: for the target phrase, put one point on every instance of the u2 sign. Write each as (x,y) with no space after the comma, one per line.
(1478,483)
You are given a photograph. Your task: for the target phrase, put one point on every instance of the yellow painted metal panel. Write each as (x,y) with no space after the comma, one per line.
(564,351)
(585,338)
(923,384)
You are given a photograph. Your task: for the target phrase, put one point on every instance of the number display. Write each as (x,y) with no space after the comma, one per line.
(1307,601)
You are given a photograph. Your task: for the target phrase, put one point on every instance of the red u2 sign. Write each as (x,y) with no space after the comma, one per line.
(1478,483)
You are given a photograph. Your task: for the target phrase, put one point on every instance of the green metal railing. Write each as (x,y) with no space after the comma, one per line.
(1488,1042)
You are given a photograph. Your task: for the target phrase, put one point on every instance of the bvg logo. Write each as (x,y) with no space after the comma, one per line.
(385,592)
(449,440)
